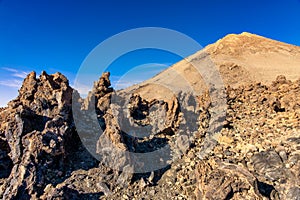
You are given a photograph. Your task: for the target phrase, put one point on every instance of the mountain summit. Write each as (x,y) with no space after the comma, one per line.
(261,59)
(237,58)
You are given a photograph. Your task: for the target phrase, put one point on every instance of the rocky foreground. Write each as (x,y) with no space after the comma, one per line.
(256,153)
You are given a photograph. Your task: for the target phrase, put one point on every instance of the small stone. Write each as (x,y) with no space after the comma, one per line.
(142,184)
(60,173)
(152,192)
(103,187)
(283,155)
(151,177)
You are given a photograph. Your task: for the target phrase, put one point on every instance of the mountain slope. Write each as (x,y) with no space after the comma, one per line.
(239,58)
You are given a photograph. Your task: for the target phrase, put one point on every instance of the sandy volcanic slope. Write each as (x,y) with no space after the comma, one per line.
(240,58)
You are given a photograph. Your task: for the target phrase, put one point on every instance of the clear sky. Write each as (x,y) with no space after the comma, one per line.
(57,35)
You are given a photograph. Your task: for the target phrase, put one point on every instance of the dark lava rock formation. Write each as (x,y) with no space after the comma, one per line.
(43,154)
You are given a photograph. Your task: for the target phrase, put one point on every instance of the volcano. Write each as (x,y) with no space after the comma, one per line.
(223,123)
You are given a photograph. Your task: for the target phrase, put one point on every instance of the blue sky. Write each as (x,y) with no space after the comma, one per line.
(57,35)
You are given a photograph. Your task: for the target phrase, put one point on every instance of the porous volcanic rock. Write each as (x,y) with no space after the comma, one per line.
(255,153)
(37,136)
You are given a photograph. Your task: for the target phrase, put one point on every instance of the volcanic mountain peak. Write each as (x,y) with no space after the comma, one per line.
(232,37)
(238,59)
(248,43)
